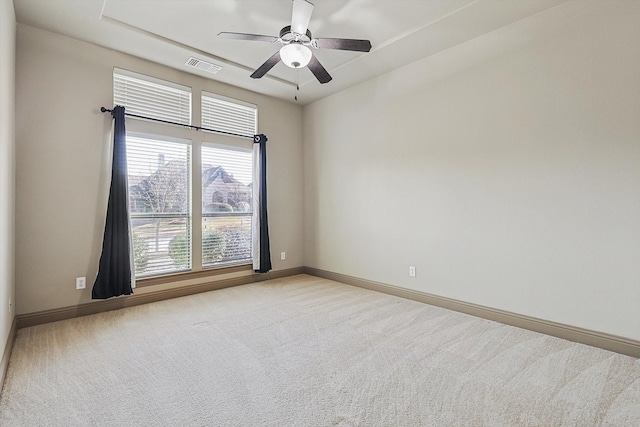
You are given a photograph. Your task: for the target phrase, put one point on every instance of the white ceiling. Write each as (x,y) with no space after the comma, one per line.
(170,31)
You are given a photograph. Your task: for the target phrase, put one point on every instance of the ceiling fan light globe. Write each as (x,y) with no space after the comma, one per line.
(295,55)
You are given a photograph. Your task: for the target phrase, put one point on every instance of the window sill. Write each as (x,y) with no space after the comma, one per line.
(178,277)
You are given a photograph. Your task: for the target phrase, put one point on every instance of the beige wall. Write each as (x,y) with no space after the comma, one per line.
(7,168)
(63,163)
(506,169)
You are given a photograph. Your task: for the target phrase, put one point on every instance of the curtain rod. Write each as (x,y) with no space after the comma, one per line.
(106,110)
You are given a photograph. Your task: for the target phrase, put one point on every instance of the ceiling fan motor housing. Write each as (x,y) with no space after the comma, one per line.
(289,36)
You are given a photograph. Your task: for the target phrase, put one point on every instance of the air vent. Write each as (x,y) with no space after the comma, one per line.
(203,65)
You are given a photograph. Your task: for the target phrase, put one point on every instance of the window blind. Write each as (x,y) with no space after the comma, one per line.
(229,115)
(226,205)
(151,97)
(159,203)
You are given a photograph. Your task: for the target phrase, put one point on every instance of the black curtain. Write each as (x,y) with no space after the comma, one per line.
(114,274)
(265,253)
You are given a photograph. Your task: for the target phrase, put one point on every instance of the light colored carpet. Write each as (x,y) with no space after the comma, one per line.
(304,351)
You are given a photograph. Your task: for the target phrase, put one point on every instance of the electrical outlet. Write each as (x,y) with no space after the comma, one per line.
(283,256)
(81,282)
(412,271)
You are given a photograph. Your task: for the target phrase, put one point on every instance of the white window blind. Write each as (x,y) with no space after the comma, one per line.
(226,205)
(229,115)
(159,201)
(151,97)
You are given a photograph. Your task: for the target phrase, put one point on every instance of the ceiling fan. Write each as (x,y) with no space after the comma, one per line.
(297,41)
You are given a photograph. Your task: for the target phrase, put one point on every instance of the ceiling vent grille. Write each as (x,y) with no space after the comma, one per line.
(203,65)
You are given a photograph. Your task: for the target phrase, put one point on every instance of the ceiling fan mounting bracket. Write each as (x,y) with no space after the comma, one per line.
(288,36)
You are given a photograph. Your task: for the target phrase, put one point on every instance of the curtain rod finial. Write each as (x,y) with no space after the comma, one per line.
(259,138)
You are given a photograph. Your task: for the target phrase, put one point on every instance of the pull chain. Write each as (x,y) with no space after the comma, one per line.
(297,83)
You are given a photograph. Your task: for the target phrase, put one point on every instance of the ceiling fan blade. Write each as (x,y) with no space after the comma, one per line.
(264,68)
(318,70)
(301,16)
(244,36)
(343,44)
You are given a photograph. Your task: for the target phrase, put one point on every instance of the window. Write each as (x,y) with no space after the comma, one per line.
(159,204)
(184,219)
(150,97)
(228,115)
(226,205)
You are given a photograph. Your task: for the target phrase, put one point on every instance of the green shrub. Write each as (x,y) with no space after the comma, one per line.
(218,207)
(242,207)
(213,246)
(179,250)
(238,243)
(140,253)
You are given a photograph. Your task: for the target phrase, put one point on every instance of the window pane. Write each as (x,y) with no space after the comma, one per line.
(158,176)
(159,199)
(226,180)
(226,205)
(161,245)
(226,240)
(150,97)
(228,115)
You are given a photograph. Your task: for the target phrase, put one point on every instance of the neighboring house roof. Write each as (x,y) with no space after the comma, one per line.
(221,188)
(217,173)
(160,186)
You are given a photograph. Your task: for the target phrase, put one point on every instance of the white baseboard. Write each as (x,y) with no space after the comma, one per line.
(4,363)
(571,333)
(47,316)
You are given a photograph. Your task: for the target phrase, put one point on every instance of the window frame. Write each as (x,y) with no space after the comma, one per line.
(226,100)
(178,94)
(150,129)
(203,214)
(168,215)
